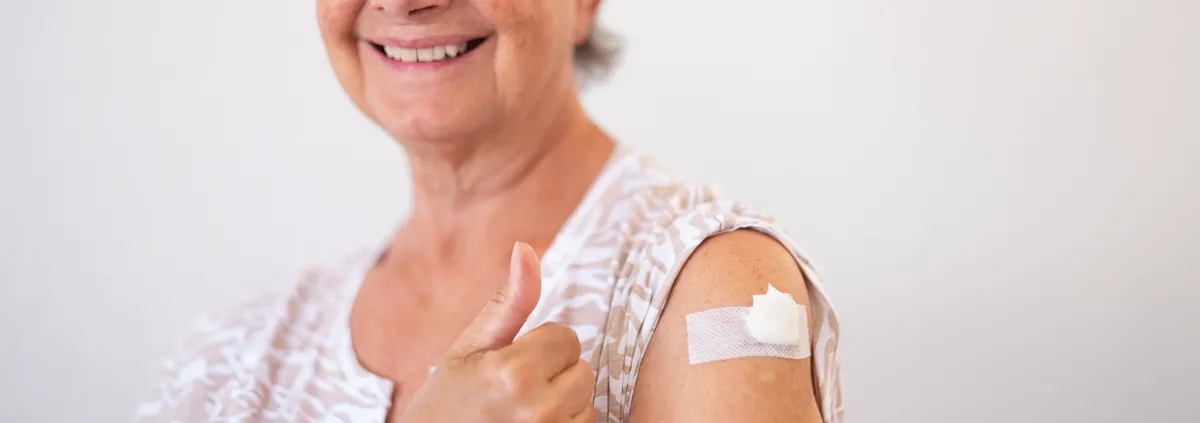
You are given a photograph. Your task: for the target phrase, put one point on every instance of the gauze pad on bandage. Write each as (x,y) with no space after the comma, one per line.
(775,326)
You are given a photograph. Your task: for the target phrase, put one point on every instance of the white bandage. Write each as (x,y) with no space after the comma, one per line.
(775,326)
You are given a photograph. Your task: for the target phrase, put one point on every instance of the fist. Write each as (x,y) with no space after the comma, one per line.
(487,377)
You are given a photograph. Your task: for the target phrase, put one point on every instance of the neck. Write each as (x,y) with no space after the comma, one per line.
(473,199)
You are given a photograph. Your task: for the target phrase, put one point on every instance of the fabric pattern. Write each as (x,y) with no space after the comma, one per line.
(287,357)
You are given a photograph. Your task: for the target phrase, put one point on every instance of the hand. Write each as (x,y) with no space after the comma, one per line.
(487,377)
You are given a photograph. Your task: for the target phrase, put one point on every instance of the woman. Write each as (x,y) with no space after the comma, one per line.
(447,321)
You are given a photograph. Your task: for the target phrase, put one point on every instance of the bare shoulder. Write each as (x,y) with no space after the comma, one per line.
(725,270)
(730,267)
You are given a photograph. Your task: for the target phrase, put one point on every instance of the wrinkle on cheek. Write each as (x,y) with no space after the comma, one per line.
(528,25)
(522,30)
(509,13)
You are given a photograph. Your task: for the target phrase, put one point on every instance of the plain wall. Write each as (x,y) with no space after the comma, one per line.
(1002,195)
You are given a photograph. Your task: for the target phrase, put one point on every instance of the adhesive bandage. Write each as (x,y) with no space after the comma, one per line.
(774,326)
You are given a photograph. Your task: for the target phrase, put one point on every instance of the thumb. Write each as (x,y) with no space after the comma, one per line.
(502,317)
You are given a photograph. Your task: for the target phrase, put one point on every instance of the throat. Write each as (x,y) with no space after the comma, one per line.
(471,246)
(528,203)
(401,324)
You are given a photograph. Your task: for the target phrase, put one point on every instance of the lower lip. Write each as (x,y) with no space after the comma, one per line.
(425,66)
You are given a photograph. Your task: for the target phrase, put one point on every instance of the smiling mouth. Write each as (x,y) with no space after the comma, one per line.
(429,54)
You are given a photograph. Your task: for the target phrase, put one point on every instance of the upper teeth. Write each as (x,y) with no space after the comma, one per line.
(430,54)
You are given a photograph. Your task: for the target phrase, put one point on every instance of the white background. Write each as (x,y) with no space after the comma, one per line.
(1002,195)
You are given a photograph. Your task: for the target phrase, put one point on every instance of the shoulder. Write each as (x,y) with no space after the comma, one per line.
(236,350)
(652,204)
(310,302)
(726,271)
(666,220)
(685,247)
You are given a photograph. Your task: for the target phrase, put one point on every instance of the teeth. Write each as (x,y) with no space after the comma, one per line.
(430,54)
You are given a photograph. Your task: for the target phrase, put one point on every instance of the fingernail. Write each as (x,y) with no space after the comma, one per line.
(514,262)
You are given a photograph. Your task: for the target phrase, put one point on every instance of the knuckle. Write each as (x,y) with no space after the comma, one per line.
(558,329)
(540,414)
(590,377)
(523,415)
(492,361)
(499,297)
(552,325)
(588,414)
(560,333)
(511,375)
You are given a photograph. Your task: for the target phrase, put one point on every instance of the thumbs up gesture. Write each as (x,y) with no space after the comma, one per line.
(488,377)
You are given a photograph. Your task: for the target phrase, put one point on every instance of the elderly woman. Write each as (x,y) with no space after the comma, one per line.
(454,318)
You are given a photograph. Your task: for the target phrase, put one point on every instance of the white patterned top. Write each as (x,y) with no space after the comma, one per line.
(287,357)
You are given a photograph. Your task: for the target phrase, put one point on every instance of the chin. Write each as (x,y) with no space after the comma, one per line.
(432,111)
(422,125)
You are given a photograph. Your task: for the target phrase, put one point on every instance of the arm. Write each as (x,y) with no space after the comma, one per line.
(726,270)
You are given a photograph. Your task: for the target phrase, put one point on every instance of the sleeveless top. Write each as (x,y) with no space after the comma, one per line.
(287,357)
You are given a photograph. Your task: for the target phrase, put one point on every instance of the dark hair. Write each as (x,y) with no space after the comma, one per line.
(596,56)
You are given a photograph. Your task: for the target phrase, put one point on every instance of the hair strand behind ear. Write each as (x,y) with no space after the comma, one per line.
(596,56)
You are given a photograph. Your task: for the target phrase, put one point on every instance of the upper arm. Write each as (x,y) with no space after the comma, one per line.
(725,270)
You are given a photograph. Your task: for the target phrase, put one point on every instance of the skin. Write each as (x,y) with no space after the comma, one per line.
(726,270)
(488,376)
(500,150)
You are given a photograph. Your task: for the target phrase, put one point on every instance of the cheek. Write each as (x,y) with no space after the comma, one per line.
(535,38)
(336,19)
(509,12)
(526,23)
